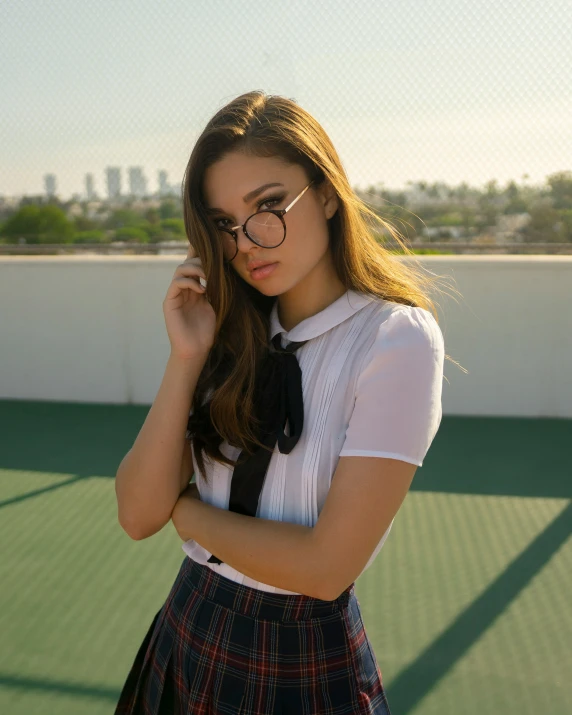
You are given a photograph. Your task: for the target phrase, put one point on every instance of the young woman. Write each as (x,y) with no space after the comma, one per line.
(303,389)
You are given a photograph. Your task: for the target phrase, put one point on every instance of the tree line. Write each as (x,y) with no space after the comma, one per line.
(548,211)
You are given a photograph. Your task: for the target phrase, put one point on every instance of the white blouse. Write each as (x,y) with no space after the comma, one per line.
(372,377)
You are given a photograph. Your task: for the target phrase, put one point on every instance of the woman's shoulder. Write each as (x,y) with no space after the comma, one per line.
(392,323)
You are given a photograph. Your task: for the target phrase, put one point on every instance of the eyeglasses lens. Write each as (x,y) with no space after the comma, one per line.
(265,228)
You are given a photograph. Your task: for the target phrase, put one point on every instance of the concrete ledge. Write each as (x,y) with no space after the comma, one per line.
(97,334)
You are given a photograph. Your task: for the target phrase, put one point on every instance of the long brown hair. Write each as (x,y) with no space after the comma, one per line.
(271,125)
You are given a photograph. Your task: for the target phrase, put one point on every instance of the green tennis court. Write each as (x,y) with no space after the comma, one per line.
(467,605)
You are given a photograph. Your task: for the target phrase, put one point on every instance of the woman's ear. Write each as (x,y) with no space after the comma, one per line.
(329,198)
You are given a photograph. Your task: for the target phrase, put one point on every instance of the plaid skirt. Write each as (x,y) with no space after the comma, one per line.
(217,647)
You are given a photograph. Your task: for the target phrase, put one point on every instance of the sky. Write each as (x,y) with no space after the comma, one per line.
(432,90)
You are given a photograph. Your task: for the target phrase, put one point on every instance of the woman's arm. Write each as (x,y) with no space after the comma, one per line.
(148,480)
(274,552)
(320,561)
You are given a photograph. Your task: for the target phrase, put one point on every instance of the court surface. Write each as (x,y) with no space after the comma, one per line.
(467,605)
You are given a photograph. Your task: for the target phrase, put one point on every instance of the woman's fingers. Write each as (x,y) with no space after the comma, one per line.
(190,269)
(184,282)
(192,266)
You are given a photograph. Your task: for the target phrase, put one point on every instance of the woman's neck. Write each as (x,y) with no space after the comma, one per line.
(308,298)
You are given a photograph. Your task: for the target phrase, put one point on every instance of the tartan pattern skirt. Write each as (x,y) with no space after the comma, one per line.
(217,647)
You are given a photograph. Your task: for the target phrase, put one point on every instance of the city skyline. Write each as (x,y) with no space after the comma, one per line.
(137,182)
(164,188)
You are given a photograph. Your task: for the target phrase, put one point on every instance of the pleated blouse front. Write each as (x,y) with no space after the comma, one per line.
(372,375)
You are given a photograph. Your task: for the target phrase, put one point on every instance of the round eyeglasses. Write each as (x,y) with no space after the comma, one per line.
(265,228)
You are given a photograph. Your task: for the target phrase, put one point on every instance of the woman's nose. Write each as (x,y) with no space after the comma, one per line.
(242,241)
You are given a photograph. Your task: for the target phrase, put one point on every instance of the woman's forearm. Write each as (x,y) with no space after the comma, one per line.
(277,553)
(148,480)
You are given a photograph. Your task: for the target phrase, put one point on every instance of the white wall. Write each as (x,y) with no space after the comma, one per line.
(91,329)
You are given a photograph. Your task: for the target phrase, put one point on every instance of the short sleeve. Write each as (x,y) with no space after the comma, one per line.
(397,409)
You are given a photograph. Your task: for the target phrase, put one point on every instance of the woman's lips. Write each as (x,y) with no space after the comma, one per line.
(263,271)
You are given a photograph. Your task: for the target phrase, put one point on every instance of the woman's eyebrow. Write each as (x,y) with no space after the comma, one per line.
(248,198)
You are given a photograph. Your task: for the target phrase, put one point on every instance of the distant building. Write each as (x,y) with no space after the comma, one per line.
(50,184)
(163,183)
(97,210)
(89,187)
(137,182)
(74,209)
(166,189)
(113,177)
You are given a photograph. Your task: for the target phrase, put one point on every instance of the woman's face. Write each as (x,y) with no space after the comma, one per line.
(306,247)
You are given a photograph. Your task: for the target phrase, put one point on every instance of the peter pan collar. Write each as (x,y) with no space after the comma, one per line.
(334,314)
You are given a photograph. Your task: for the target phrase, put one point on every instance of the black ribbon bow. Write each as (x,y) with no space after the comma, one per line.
(278,400)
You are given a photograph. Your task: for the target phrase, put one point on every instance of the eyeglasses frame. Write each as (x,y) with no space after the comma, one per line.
(277,212)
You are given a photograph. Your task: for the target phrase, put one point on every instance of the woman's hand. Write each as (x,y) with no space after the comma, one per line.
(189,317)
(189,495)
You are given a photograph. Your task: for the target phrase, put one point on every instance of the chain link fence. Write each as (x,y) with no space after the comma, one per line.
(451,118)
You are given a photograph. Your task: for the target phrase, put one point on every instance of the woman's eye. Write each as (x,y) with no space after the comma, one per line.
(266,203)
(270,200)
